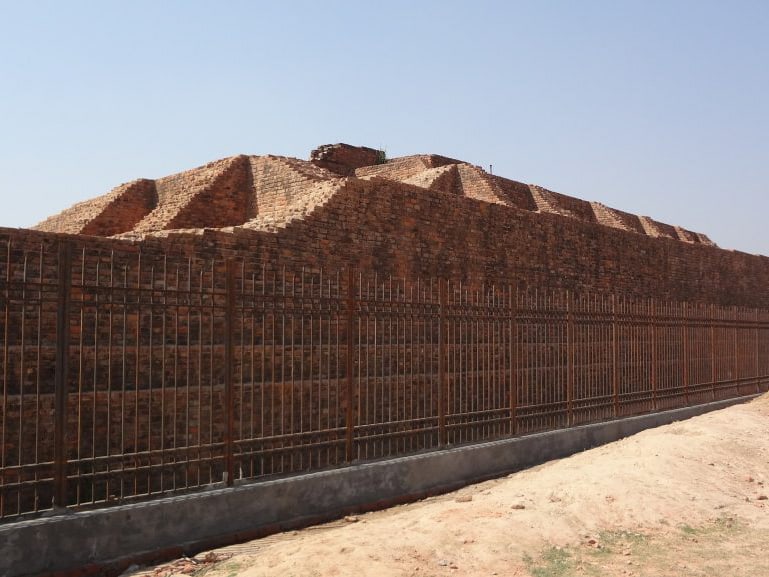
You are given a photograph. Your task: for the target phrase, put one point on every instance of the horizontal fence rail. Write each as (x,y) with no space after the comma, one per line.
(127,375)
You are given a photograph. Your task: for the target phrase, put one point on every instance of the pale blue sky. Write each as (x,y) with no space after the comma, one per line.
(655,107)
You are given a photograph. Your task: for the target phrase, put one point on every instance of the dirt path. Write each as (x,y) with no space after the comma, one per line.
(684,499)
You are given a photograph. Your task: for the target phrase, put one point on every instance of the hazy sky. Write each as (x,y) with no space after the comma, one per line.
(655,107)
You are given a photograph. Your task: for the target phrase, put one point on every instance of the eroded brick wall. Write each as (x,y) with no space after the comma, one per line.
(399,229)
(343,159)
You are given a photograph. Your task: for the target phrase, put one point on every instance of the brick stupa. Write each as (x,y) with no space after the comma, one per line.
(268,192)
(422,216)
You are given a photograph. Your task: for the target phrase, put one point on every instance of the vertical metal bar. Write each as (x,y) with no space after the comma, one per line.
(6,325)
(292,365)
(137,373)
(262,371)
(163,339)
(123,373)
(81,368)
(150,378)
(175,387)
(653,338)
(413,408)
(188,378)
(301,365)
(96,339)
(111,300)
(60,378)
(282,381)
(712,353)
(388,375)
(685,327)
(442,394)
(362,404)
(614,354)
(349,425)
(253,311)
(758,354)
(229,397)
(513,360)
(22,373)
(570,358)
(211,363)
(736,363)
(38,363)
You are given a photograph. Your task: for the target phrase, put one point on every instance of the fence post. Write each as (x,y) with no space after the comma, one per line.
(442,397)
(758,354)
(685,326)
(349,425)
(614,355)
(712,352)
(653,338)
(569,359)
(60,378)
(513,361)
(736,364)
(229,396)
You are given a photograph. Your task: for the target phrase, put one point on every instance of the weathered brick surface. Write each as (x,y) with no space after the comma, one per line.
(343,159)
(422,215)
(479,185)
(147,328)
(554,203)
(443,179)
(516,194)
(285,188)
(213,195)
(614,218)
(656,229)
(405,167)
(116,212)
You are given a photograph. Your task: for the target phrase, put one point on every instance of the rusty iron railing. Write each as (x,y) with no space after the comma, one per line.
(126,375)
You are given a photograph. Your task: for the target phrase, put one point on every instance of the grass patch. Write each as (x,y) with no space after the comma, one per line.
(619,541)
(690,530)
(720,525)
(223,568)
(554,562)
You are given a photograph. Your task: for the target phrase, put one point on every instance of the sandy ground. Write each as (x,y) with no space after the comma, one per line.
(688,498)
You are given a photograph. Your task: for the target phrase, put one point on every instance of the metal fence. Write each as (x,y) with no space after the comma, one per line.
(127,375)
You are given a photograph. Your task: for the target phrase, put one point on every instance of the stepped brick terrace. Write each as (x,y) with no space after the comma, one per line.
(268,192)
(422,215)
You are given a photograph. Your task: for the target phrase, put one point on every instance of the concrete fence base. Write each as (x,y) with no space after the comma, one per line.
(107,540)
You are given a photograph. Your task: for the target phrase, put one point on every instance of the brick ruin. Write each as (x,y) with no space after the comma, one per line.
(152,325)
(422,215)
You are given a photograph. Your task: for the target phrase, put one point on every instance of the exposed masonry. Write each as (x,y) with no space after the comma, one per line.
(267,192)
(422,215)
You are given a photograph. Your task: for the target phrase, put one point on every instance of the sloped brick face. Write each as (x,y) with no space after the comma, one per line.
(116,212)
(422,215)
(125,211)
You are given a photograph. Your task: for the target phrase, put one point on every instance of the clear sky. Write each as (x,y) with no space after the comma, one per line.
(658,107)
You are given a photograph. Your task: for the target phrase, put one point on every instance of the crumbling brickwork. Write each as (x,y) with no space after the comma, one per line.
(343,159)
(416,215)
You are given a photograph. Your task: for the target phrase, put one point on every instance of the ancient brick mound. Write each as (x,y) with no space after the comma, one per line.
(268,193)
